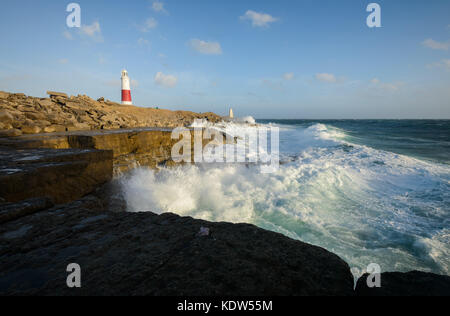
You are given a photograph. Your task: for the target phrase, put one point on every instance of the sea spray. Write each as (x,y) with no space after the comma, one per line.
(366,205)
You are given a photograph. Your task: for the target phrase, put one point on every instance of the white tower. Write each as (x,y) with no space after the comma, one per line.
(231,115)
(126,90)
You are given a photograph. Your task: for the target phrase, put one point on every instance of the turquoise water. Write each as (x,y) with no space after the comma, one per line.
(369,191)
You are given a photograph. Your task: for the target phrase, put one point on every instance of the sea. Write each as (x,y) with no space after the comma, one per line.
(370,191)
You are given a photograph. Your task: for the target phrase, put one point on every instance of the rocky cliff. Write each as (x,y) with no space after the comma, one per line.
(21,114)
(151,147)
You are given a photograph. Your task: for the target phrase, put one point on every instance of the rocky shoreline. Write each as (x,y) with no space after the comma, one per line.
(21,114)
(60,204)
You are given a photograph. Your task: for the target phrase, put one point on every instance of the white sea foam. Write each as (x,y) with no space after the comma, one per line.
(249,146)
(246,119)
(364,204)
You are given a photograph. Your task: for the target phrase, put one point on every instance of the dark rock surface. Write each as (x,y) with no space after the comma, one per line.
(414,283)
(145,254)
(13,211)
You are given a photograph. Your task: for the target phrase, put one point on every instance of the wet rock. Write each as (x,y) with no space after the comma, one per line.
(412,283)
(13,211)
(145,254)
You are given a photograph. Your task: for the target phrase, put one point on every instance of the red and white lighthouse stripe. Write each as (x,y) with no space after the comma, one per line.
(126,91)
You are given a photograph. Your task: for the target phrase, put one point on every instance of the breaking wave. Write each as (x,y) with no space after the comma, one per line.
(364,204)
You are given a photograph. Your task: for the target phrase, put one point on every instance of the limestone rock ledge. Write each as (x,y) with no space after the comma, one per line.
(60,175)
(144,146)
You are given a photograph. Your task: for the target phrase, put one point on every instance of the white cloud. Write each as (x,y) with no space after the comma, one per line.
(430,43)
(258,19)
(208,48)
(288,76)
(68,35)
(148,25)
(324,77)
(158,6)
(92,31)
(167,81)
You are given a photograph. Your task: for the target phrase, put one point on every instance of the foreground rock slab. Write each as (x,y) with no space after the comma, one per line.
(145,254)
(414,283)
(13,211)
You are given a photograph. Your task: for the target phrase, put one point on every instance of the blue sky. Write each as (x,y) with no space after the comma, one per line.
(268,59)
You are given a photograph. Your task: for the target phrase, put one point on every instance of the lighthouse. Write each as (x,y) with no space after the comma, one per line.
(126,91)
